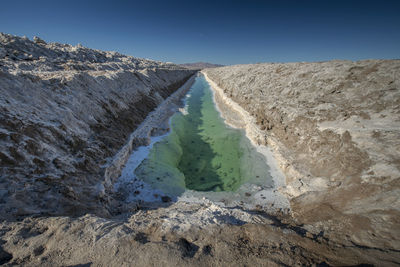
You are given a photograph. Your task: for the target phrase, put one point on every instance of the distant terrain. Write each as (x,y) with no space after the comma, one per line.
(200,65)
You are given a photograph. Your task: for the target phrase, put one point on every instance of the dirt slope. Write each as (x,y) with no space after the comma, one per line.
(335,128)
(65,111)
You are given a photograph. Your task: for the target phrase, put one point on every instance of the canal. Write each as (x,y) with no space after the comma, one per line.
(201,152)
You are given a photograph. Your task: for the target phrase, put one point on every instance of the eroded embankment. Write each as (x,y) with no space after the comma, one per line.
(201,158)
(335,130)
(155,124)
(65,111)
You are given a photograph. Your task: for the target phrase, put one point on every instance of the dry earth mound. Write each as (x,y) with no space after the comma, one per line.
(335,128)
(65,110)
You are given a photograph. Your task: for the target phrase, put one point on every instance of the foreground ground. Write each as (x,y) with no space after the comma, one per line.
(147,238)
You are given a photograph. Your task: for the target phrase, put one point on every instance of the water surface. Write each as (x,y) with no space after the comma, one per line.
(202,153)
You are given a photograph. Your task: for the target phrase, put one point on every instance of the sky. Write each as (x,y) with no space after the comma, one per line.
(224,32)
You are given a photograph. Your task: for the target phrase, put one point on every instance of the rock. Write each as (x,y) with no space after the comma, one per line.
(37,40)
(5,256)
(166,199)
(3,52)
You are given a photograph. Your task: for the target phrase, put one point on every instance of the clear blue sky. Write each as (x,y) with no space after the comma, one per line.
(226,32)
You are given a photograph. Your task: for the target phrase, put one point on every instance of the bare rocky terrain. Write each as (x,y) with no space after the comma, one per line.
(70,115)
(335,128)
(65,112)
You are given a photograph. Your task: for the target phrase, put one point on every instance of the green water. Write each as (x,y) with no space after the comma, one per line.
(201,153)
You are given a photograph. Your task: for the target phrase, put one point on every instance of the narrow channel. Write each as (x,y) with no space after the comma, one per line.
(201,153)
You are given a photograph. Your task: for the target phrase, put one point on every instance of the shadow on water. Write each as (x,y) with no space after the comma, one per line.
(197,154)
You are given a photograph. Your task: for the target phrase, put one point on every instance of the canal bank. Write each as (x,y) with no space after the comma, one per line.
(202,158)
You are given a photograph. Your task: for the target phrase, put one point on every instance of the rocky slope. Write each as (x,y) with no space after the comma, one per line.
(65,112)
(335,128)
